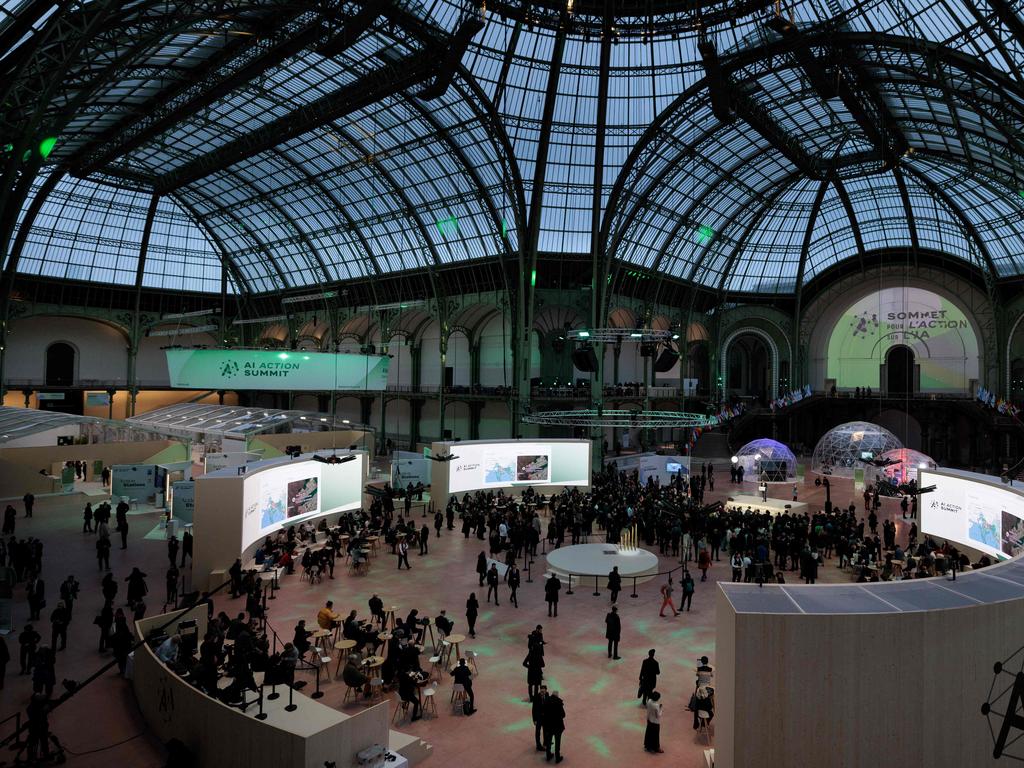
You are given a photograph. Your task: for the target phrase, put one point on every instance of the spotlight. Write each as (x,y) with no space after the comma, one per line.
(735,459)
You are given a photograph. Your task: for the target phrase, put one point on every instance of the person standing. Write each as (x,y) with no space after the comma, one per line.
(424,539)
(481,568)
(172,549)
(514,580)
(30,502)
(612,632)
(10,515)
(87,518)
(704,562)
(551,589)
(614,583)
(554,725)
(186,547)
(472,611)
(492,583)
(103,553)
(403,555)
(539,703)
(688,589)
(438,523)
(36,593)
(28,641)
(534,663)
(666,598)
(649,672)
(652,736)
(121,515)
(59,627)
(105,620)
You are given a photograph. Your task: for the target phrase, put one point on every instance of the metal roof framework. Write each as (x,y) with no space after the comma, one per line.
(192,420)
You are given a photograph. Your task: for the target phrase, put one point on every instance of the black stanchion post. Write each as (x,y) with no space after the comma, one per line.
(569,590)
(634,588)
(596,592)
(292,706)
(261,715)
(317,693)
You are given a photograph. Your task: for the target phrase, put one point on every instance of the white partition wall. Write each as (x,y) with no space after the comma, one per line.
(234,512)
(511,465)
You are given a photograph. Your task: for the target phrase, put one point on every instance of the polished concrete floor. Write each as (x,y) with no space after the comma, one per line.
(101,725)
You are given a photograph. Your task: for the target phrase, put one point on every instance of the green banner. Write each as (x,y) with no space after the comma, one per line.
(262,369)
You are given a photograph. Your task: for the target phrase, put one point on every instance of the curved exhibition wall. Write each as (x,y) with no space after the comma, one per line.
(509,465)
(892,673)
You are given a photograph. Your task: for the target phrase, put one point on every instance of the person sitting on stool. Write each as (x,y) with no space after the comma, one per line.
(464,677)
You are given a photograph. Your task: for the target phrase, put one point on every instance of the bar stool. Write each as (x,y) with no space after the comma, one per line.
(429,705)
(403,707)
(703,719)
(389,617)
(376,690)
(435,664)
(352,694)
(459,696)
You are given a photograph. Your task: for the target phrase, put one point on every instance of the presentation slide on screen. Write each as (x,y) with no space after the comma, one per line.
(973,513)
(267,369)
(936,331)
(496,465)
(291,493)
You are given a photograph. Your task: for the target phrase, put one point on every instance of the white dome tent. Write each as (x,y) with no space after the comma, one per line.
(843,449)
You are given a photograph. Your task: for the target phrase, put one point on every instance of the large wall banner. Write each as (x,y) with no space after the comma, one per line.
(263,369)
(937,332)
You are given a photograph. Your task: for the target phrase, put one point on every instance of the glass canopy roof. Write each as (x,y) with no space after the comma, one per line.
(403,183)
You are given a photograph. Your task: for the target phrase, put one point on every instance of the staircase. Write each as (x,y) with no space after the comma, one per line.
(711,445)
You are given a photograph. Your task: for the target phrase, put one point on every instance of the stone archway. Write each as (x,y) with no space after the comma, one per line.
(772,391)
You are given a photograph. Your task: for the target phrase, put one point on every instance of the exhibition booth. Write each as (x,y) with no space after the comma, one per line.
(237,507)
(309,734)
(547,466)
(664,468)
(912,672)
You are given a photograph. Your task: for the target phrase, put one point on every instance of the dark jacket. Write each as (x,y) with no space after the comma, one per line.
(554,715)
(551,589)
(613,626)
(537,709)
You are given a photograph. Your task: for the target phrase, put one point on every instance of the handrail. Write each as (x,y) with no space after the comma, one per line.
(73,689)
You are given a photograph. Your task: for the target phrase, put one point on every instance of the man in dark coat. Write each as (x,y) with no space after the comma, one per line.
(649,672)
(614,583)
(554,725)
(551,589)
(613,630)
(539,704)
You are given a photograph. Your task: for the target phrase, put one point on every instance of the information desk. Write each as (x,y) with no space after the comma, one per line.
(220,735)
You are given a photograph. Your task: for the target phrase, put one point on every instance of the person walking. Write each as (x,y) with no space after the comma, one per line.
(649,672)
(688,589)
(652,736)
(105,620)
(704,562)
(492,584)
(186,547)
(472,611)
(666,598)
(539,702)
(137,588)
(28,641)
(612,632)
(403,555)
(551,589)
(30,503)
(10,515)
(614,583)
(554,725)
(121,515)
(87,518)
(514,580)
(35,591)
(172,549)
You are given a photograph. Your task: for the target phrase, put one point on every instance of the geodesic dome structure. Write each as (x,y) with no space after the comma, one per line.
(770,457)
(910,462)
(841,450)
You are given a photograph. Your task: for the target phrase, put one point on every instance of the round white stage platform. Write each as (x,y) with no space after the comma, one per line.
(589,560)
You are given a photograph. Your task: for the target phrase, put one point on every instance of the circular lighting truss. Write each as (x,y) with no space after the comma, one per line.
(603,417)
(612,335)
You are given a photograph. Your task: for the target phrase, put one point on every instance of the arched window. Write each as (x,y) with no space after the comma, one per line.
(60,365)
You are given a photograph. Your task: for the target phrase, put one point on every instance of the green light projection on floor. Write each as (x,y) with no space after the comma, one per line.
(519,725)
(595,647)
(518,702)
(632,725)
(599,746)
(600,685)
(485,650)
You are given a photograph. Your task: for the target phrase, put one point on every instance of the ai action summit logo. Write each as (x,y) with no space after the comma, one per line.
(1003,706)
(229,369)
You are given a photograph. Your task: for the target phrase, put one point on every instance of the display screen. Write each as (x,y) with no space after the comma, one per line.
(288,494)
(495,465)
(936,331)
(267,369)
(973,513)
(673,466)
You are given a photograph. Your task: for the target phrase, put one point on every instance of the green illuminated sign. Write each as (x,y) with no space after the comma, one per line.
(448,226)
(263,369)
(704,233)
(46,146)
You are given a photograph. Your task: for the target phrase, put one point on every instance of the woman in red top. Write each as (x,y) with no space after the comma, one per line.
(704,562)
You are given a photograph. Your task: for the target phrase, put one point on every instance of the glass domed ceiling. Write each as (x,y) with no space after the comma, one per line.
(683,193)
